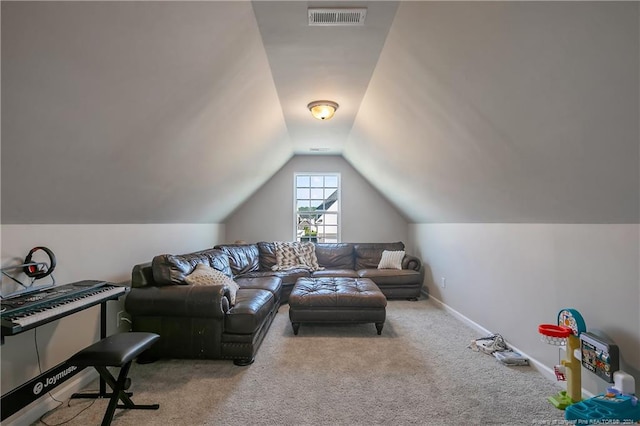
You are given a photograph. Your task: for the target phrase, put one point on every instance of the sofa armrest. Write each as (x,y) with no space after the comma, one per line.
(411,262)
(142,275)
(211,301)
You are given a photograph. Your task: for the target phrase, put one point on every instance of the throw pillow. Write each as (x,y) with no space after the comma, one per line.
(294,255)
(206,275)
(308,251)
(391,259)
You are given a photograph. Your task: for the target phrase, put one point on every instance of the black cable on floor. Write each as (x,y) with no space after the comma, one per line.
(68,420)
(41,419)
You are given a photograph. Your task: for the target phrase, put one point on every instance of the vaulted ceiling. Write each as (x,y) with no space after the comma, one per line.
(176,112)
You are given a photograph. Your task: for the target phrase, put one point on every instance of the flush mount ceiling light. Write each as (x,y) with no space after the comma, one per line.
(323,110)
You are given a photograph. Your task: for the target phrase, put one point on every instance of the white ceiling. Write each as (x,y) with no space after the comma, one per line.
(161,112)
(311,63)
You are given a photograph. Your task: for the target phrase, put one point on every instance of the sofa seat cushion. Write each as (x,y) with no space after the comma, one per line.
(271,283)
(252,307)
(348,273)
(288,277)
(391,276)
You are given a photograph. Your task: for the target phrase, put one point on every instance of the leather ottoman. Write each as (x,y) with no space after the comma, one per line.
(336,300)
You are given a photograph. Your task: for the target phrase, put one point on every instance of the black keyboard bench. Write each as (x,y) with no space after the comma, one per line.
(118,350)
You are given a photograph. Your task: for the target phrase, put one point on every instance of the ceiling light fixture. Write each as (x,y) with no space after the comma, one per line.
(323,110)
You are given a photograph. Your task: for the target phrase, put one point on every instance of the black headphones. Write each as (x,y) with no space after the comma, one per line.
(34,271)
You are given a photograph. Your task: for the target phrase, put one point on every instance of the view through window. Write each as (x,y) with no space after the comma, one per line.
(317,199)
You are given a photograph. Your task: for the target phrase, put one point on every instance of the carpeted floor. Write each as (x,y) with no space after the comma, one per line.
(419,371)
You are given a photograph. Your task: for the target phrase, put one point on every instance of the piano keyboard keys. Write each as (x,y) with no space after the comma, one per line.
(42,314)
(26,312)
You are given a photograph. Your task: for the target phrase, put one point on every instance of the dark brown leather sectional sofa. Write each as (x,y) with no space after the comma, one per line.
(355,260)
(198,322)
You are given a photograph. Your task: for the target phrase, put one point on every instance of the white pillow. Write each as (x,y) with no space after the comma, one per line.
(391,259)
(206,275)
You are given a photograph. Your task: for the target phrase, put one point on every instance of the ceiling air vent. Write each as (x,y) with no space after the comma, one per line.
(336,17)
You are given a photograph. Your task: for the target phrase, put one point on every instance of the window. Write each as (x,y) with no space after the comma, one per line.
(317,207)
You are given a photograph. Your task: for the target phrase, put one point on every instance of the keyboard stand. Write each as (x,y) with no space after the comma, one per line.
(23,395)
(102,393)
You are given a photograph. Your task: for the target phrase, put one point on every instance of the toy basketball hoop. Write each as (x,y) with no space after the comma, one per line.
(554,334)
(566,335)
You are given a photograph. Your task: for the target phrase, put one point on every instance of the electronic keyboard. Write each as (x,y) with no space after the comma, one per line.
(35,309)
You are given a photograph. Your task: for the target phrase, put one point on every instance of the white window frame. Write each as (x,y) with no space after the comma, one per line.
(338,213)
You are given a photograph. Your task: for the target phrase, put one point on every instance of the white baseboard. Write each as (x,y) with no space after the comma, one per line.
(543,369)
(31,413)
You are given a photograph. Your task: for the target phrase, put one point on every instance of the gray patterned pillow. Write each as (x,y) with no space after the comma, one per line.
(206,275)
(295,255)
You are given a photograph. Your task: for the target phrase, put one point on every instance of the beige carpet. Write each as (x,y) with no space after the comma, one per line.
(419,371)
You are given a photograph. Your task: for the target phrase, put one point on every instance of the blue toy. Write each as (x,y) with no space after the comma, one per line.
(618,405)
(612,407)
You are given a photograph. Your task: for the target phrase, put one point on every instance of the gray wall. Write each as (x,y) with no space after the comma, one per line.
(509,278)
(268,213)
(135,112)
(101,252)
(518,124)
(505,112)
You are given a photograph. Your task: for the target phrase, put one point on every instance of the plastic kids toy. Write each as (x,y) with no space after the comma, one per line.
(618,405)
(566,333)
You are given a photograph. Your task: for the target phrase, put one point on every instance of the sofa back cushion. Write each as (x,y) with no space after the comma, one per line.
(243,258)
(170,269)
(267,253)
(335,255)
(368,255)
